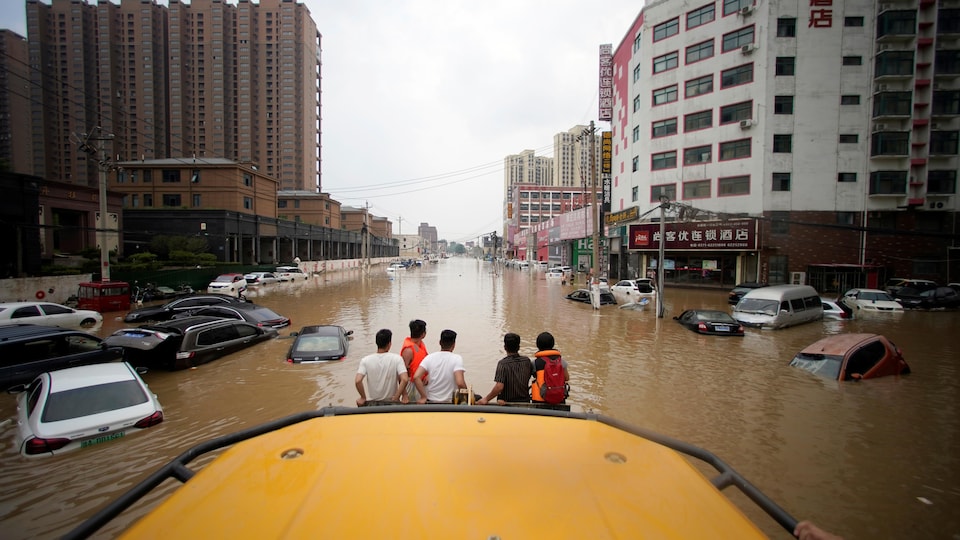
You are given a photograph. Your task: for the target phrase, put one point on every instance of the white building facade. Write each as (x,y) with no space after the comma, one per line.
(829,126)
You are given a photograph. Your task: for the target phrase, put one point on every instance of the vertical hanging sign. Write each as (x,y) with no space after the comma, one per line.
(606,82)
(821,14)
(606,165)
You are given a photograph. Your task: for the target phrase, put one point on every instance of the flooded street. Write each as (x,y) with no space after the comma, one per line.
(875,459)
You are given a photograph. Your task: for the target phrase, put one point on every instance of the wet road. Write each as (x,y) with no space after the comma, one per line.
(876,459)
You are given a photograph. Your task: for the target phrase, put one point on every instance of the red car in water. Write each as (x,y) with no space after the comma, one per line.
(852,357)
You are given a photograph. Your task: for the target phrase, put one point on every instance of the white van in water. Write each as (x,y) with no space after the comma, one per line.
(779,306)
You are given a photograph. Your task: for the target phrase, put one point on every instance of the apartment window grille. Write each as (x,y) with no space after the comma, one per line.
(663,160)
(701,16)
(737,38)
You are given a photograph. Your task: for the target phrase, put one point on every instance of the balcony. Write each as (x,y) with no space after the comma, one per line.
(918,162)
(922,83)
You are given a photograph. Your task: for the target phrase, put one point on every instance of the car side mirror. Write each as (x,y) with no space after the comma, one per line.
(294,334)
(349,333)
(17,388)
(141,370)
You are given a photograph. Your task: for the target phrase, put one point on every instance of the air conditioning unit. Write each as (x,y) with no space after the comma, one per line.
(879,127)
(798,278)
(746,124)
(748,48)
(884,46)
(746,10)
(881,88)
(936,205)
(934,125)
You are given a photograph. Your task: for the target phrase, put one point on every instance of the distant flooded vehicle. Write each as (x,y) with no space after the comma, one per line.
(779,306)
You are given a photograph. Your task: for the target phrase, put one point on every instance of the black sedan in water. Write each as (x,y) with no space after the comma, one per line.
(166,311)
(712,322)
(583,295)
(245,311)
(938,297)
(321,343)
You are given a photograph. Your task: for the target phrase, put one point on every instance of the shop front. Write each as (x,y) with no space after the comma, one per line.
(716,254)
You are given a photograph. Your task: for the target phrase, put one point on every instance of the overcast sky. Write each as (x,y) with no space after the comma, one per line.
(422,99)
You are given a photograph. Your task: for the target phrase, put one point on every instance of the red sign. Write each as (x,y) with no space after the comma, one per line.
(822,17)
(739,235)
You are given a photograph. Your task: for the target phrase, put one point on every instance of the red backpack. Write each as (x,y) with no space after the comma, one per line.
(554,387)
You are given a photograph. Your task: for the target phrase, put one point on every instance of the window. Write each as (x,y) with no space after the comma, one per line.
(697,155)
(893,63)
(738,38)
(787,27)
(778,269)
(942,182)
(735,185)
(135,201)
(170,175)
(783,144)
(847,177)
(247,203)
(171,199)
(665,95)
(897,23)
(247,179)
(281,203)
(846,218)
(946,102)
(700,51)
(946,61)
(665,30)
(781,181)
(698,120)
(853,60)
(664,128)
(701,16)
(147,175)
(853,21)
(637,72)
(895,104)
(664,160)
(735,149)
(666,190)
(890,143)
(736,76)
(782,104)
(944,143)
(736,112)
(699,189)
(148,200)
(849,99)
(636,133)
(785,66)
(665,62)
(779,222)
(636,103)
(733,6)
(195,176)
(849,138)
(635,194)
(196,200)
(888,183)
(702,85)
(636,163)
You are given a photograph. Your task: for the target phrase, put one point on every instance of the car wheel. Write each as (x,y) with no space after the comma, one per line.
(88,323)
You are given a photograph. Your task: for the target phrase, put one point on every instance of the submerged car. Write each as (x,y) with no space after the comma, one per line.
(711,322)
(27,350)
(166,311)
(188,342)
(245,311)
(743,288)
(320,343)
(260,278)
(835,310)
(583,295)
(851,357)
(231,284)
(893,285)
(936,298)
(48,314)
(870,300)
(290,273)
(84,406)
(634,287)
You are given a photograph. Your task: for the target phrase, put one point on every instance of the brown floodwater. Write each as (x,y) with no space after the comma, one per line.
(875,459)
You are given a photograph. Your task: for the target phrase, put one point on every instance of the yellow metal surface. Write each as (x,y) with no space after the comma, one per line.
(447,475)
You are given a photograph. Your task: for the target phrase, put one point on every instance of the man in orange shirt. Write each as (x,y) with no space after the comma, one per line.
(413,351)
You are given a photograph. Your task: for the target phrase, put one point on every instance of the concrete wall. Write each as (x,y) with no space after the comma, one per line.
(51,288)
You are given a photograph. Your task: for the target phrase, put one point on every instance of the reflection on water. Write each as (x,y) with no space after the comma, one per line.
(862,459)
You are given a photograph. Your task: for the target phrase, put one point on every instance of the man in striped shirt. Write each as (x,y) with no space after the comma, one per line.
(512,378)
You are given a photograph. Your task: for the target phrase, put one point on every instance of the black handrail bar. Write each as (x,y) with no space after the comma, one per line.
(177,468)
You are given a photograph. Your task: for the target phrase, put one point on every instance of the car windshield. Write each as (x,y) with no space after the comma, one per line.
(263,314)
(226,279)
(875,296)
(93,400)
(317,343)
(715,316)
(824,365)
(758,305)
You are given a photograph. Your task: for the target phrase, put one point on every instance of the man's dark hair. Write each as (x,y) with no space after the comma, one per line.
(418,328)
(545,341)
(511,342)
(384,337)
(447,338)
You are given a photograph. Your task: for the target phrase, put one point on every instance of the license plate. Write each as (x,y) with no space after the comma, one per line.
(722,328)
(98,440)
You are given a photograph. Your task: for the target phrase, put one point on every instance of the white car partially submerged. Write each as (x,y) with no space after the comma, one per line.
(871,301)
(48,314)
(290,273)
(84,406)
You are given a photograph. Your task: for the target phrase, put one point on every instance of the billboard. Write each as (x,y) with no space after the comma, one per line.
(734,235)
(606,82)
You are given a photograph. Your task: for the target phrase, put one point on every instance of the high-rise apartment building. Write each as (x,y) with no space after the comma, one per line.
(15,149)
(205,79)
(571,157)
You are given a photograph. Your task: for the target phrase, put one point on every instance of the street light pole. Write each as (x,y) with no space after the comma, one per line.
(664,203)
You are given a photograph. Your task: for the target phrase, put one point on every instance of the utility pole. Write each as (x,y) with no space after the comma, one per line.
(365,233)
(596,205)
(104,165)
(664,204)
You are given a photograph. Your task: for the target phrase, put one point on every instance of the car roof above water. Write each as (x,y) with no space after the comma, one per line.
(779,292)
(16,332)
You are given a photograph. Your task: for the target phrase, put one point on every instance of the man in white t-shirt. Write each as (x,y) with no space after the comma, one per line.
(385,372)
(444,370)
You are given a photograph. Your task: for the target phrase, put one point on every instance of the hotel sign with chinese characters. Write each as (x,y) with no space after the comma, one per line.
(606,82)
(739,235)
(821,14)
